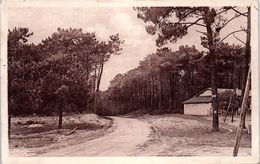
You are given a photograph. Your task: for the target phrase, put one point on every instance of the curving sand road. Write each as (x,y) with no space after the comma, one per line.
(129,133)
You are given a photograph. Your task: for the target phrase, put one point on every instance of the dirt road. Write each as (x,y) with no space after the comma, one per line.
(123,141)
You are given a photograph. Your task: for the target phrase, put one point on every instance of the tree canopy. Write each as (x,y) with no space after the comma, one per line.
(69,58)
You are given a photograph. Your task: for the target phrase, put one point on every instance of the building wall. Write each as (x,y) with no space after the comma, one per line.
(202,109)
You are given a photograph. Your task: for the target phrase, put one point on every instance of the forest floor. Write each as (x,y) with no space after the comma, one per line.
(185,135)
(128,135)
(31,136)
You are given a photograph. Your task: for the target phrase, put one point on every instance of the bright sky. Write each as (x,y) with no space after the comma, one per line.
(106,21)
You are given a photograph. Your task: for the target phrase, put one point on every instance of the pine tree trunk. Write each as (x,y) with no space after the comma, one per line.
(215,124)
(192,80)
(60,115)
(170,91)
(234,90)
(139,94)
(154,93)
(98,80)
(142,95)
(188,81)
(151,93)
(247,57)
(158,105)
(160,91)
(9,124)
(125,99)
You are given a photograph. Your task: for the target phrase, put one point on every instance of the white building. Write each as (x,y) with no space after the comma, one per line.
(201,103)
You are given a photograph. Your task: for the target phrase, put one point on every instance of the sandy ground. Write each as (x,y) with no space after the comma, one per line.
(41,136)
(123,141)
(183,135)
(131,135)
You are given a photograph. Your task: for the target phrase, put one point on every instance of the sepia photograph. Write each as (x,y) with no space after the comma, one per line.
(129,80)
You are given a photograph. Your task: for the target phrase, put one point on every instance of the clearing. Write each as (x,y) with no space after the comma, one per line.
(129,135)
(186,135)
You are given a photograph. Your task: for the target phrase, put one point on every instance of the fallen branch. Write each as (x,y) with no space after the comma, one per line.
(71,132)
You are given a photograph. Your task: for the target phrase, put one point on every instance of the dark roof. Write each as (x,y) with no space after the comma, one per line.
(198,99)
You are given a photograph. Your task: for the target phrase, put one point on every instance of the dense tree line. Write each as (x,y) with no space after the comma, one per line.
(63,72)
(163,80)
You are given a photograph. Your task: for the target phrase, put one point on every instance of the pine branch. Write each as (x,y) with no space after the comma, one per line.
(229,35)
(223,11)
(243,14)
(179,22)
(236,16)
(239,39)
(185,16)
(242,28)
(193,23)
(204,33)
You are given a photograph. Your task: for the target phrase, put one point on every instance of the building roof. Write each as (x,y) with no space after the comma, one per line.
(207,91)
(198,99)
(204,96)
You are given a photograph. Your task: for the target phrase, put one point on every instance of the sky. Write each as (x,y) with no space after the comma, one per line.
(106,21)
